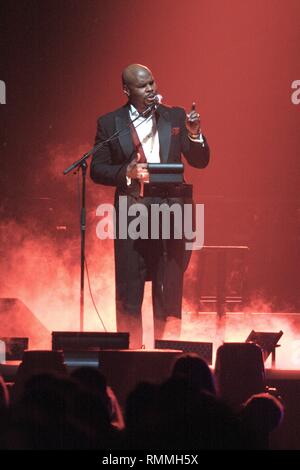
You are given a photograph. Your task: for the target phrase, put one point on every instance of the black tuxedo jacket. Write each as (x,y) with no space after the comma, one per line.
(109,163)
(109,166)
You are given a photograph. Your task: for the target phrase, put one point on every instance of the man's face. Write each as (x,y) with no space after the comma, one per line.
(141,89)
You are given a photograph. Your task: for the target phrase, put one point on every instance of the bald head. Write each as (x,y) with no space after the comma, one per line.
(131,73)
(139,86)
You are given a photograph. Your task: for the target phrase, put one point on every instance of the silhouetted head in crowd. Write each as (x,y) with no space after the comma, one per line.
(195,370)
(55,412)
(141,416)
(239,372)
(260,415)
(140,404)
(195,419)
(95,382)
(91,378)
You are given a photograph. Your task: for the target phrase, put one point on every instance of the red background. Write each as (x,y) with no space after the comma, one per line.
(61,62)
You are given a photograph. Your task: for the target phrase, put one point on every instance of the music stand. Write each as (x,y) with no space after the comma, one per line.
(267,341)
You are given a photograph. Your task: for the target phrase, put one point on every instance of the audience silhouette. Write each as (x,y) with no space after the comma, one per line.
(184,412)
(195,370)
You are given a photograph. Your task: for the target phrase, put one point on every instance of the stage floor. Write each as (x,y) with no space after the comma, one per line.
(235,327)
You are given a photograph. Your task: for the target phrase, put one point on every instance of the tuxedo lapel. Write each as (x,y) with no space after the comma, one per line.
(163,128)
(164,133)
(125,139)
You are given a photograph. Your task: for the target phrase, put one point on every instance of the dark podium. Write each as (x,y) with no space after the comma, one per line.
(166,181)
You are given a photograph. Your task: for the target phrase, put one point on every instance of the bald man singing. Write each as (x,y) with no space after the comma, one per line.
(160,135)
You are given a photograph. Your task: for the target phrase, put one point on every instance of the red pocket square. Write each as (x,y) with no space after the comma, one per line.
(175,130)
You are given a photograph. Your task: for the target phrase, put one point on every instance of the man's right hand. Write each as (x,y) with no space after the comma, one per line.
(138,171)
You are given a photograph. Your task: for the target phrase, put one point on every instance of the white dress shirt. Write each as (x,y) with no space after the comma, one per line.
(147,131)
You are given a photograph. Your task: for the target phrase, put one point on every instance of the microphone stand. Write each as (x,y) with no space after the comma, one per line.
(82,164)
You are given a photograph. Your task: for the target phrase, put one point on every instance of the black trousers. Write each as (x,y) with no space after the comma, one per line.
(136,261)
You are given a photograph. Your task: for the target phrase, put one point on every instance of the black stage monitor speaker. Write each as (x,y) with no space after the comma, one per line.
(88,341)
(204,350)
(82,348)
(14,348)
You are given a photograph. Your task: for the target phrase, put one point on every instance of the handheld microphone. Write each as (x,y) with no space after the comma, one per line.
(156,101)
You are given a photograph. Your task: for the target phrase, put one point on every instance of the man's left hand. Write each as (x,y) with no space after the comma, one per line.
(193,121)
